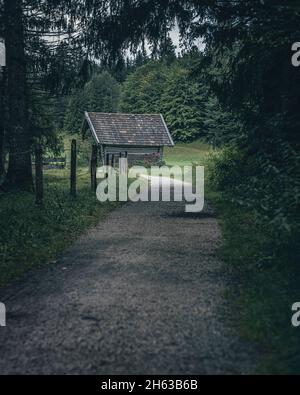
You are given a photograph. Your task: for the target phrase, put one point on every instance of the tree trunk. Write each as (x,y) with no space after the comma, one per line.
(19,174)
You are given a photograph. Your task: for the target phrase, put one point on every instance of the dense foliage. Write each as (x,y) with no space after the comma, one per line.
(101,94)
(250,70)
(171,88)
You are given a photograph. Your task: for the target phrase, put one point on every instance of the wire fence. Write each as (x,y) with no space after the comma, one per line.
(76,162)
(66,167)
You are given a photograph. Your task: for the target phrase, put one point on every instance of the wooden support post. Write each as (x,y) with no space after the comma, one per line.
(73,169)
(120,157)
(126,162)
(94,168)
(39,186)
(112,160)
(107,162)
(101,156)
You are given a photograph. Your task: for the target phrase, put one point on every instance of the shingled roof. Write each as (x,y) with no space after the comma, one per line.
(129,129)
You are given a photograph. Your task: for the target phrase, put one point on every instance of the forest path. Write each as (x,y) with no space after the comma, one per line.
(143,292)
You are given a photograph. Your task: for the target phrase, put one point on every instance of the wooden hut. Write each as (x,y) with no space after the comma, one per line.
(134,136)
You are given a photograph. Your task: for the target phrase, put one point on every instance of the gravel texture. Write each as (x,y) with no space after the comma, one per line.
(141,293)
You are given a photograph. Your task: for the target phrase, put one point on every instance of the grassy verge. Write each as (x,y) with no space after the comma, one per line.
(265,289)
(266,282)
(30,236)
(186,154)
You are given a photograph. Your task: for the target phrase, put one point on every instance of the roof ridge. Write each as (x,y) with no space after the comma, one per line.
(122,113)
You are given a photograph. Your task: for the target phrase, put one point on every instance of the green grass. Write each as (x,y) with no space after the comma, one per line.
(31,236)
(267,285)
(186,154)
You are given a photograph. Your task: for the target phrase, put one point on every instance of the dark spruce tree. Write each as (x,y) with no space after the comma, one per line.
(41,55)
(19,173)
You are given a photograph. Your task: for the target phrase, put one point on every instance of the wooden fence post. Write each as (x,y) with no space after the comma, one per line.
(73,169)
(94,168)
(39,186)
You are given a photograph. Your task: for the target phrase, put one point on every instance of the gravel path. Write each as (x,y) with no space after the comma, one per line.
(142,293)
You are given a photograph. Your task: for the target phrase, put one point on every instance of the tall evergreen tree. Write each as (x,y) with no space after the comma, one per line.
(74,111)
(19,174)
(170,89)
(100,94)
(35,27)
(183,105)
(142,90)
